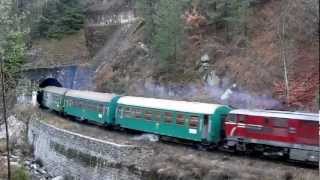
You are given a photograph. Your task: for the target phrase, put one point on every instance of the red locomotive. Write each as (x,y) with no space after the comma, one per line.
(289,134)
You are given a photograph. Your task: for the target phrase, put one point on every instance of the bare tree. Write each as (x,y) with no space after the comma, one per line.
(298,22)
(283,44)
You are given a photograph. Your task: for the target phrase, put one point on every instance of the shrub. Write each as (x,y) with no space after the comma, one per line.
(20,174)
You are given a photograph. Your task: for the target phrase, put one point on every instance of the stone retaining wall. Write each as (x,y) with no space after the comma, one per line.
(80,157)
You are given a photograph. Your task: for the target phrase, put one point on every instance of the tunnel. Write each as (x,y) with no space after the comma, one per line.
(49,82)
(44,83)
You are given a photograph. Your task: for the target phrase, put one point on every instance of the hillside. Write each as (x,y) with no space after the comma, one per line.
(114,44)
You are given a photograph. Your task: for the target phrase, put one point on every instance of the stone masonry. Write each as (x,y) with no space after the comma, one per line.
(76,156)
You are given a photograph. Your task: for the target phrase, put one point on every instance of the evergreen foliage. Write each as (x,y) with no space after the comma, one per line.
(215,10)
(14,54)
(12,41)
(163,23)
(163,29)
(146,9)
(232,15)
(168,29)
(59,18)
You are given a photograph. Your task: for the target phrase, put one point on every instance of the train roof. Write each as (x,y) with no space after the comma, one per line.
(56,90)
(171,105)
(278,114)
(90,95)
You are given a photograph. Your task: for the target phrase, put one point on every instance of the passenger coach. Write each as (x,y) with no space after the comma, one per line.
(186,120)
(92,106)
(53,98)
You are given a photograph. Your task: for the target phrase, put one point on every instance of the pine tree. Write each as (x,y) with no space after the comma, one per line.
(215,10)
(231,14)
(168,29)
(236,16)
(147,10)
(59,18)
(163,29)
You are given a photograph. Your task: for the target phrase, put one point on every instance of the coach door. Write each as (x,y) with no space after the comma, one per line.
(205,131)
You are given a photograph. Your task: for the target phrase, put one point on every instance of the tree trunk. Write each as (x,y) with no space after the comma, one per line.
(283,48)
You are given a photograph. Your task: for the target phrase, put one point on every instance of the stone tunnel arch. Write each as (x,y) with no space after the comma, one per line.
(49,82)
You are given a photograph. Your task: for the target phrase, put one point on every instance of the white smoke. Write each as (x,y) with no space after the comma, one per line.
(232,95)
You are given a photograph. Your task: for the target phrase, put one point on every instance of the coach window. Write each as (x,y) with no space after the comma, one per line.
(72,102)
(138,113)
(157,115)
(75,103)
(84,104)
(148,115)
(106,109)
(120,111)
(95,107)
(87,105)
(180,119)
(193,121)
(98,107)
(102,107)
(168,117)
(127,112)
(54,98)
(79,104)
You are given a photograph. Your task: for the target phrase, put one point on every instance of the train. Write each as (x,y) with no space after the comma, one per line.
(290,135)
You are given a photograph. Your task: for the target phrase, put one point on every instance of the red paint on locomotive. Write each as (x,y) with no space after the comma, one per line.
(299,131)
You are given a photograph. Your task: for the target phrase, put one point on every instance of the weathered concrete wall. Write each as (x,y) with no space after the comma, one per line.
(73,76)
(107,24)
(80,157)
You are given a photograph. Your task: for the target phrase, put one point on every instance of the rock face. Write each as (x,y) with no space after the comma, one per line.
(107,25)
(76,156)
(16,130)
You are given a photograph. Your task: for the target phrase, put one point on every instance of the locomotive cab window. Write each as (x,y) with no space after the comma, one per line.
(242,118)
(231,118)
